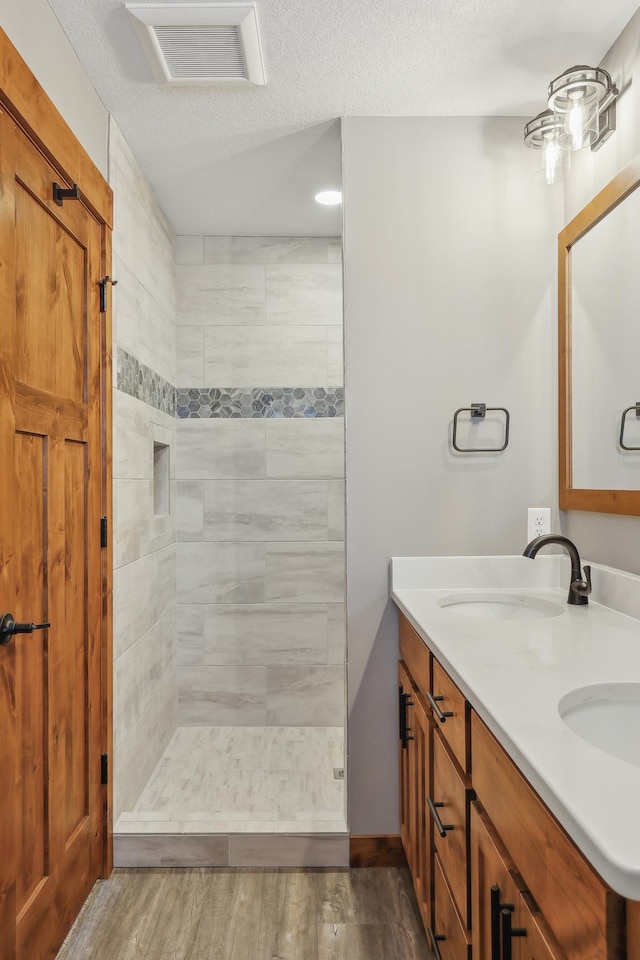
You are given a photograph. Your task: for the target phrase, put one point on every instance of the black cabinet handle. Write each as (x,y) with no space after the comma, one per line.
(404,701)
(434,939)
(508,932)
(9,627)
(441,827)
(433,703)
(495,923)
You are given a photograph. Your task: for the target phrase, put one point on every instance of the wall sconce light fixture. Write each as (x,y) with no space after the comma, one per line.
(581,112)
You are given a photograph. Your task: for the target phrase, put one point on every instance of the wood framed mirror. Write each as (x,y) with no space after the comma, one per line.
(599,351)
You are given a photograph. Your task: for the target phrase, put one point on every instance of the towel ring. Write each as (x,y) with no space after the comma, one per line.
(478,412)
(636,407)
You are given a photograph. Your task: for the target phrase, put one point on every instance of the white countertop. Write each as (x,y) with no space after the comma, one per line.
(514,673)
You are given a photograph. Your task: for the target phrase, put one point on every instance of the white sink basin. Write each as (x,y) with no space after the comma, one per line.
(606,715)
(500,606)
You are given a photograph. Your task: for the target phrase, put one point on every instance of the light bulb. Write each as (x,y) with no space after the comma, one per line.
(552,160)
(580,120)
(576,121)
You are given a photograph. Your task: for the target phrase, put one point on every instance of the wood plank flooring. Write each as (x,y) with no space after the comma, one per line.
(250,914)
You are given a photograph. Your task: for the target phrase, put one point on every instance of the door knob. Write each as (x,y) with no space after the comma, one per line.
(8,627)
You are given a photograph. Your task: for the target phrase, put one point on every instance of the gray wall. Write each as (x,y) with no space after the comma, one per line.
(605,538)
(32,27)
(449,255)
(260,497)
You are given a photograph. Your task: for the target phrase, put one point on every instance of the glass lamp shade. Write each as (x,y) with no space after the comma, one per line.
(551,164)
(546,137)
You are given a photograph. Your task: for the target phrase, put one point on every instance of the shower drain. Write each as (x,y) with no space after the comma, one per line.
(338,773)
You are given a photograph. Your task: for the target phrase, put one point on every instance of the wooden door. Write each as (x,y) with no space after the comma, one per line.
(51,828)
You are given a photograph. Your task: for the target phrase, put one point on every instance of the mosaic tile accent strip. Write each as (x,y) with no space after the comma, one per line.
(271,402)
(143,383)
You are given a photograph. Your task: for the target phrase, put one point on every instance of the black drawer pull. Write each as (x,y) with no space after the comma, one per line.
(441,827)
(404,701)
(434,939)
(508,931)
(436,709)
(496,906)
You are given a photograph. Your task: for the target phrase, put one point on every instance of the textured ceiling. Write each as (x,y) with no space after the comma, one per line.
(245,160)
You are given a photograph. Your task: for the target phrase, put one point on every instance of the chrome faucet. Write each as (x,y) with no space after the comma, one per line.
(579,588)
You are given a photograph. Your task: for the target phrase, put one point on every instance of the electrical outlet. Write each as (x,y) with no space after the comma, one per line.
(538,521)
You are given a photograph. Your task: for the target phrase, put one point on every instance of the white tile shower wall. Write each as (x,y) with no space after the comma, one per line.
(145,670)
(261,635)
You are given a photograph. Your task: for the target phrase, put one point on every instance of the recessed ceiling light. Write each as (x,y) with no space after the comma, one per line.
(329,197)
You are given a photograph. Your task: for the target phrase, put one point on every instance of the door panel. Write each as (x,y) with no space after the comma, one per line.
(49,284)
(31,665)
(50,567)
(69,686)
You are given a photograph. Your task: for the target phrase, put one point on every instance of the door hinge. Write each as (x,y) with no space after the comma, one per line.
(103,292)
(103,532)
(104,769)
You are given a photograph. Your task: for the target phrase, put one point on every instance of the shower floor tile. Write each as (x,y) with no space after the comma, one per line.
(244,780)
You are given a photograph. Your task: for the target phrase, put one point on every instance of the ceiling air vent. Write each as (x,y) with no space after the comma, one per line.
(199,42)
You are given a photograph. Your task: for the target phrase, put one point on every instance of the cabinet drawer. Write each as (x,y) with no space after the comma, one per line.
(586,916)
(451,939)
(451,806)
(450,701)
(416,655)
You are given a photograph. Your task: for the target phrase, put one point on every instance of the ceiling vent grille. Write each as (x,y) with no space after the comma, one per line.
(199,42)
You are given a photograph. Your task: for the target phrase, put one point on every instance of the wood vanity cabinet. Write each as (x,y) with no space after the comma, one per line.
(496,876)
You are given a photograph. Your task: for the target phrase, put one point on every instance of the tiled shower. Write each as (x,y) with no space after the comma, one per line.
(254,712)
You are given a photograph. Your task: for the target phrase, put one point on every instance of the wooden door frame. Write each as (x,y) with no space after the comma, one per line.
(32,110)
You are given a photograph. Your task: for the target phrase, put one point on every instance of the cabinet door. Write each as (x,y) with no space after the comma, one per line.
(494,887)
(506,922)
(407,762)
(415,784)
(587,918)
(534,940)
(633,930)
